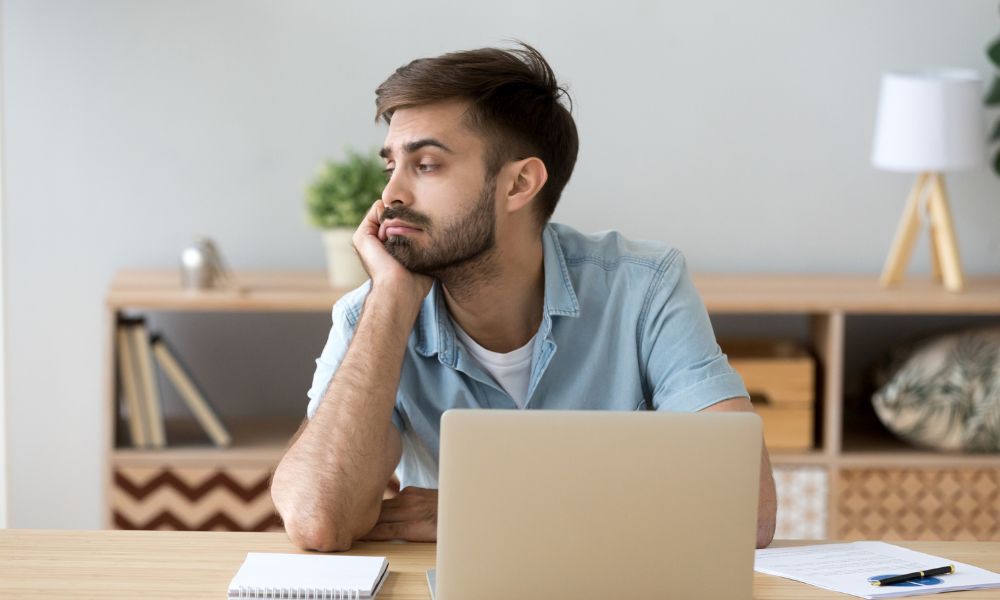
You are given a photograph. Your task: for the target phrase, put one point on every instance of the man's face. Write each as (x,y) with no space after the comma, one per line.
(440,205)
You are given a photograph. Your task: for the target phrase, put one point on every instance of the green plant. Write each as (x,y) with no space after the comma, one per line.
(993,99)
(342,192)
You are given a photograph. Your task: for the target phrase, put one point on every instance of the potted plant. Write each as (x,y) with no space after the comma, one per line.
(337,200)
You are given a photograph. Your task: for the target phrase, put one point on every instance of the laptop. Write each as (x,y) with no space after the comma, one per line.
(596,504)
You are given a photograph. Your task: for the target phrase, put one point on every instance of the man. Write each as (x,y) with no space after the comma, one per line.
(475,300)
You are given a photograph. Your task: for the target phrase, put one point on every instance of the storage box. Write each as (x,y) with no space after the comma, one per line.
(802,502)
(781,378)
(918,503)
(210,498)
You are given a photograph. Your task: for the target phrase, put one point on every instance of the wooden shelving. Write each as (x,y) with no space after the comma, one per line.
(825,302)
(853,294)
(255,441)
(192,484)
(258,291)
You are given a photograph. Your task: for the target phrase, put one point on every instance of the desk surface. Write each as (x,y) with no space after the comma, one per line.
(195,565)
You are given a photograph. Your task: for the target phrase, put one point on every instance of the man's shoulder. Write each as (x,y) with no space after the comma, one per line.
(347,311)
(348,307)
(611,249)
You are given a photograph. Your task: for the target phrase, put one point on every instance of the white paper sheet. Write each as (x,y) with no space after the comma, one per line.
(846,568)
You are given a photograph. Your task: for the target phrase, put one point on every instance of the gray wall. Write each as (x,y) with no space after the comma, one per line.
(3,312)
(737,131)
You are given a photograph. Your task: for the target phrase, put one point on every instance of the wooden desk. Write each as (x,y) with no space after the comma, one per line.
(194,565)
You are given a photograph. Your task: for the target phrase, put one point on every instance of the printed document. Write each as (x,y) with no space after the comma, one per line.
(848,568)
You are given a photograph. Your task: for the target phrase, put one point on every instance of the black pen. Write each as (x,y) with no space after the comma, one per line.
(917,575)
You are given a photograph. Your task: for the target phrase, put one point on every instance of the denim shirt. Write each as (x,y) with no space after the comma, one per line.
(623,328)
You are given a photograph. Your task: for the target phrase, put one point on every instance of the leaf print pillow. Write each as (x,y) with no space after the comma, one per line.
(945,393)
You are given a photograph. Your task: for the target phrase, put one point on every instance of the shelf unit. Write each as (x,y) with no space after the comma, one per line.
(856,466)
(876,486)
(191,484)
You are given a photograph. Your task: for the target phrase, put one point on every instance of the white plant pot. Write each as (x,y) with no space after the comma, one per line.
(343,265)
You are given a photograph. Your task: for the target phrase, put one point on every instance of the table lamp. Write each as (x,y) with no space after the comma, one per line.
(929,122)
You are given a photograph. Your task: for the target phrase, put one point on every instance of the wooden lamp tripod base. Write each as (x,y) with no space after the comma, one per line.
(929,194)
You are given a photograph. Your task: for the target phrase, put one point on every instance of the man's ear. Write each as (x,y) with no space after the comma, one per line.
(527,176)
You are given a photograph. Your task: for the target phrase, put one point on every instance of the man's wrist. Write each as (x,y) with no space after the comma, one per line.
(399,298)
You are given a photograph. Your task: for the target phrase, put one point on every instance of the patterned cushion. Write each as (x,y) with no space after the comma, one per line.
(945,393)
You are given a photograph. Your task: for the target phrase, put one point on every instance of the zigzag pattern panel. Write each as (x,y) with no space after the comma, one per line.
(193,499)
(918,504)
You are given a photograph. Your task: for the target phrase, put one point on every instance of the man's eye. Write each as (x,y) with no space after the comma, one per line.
(426,167)
(388,171)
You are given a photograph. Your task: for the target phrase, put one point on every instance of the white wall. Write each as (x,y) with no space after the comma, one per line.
(737,131)
(3,317)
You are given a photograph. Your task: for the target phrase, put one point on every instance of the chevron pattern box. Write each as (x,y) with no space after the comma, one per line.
(193,498)
(919,504)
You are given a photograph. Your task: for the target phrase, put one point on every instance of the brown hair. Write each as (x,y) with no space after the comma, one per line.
(515,105)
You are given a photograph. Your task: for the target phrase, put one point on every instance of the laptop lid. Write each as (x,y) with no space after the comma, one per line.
(597,504)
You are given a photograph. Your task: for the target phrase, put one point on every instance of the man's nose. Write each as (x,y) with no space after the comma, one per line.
(396,192)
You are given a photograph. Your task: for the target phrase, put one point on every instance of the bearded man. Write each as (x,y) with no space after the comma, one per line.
(476,300)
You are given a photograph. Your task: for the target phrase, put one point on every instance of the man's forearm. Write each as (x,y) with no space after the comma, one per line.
(768,502)
(328,487)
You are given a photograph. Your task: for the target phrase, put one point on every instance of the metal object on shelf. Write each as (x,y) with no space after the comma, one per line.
(202,266)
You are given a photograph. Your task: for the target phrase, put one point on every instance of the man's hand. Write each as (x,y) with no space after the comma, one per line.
(410,516)
(381,266)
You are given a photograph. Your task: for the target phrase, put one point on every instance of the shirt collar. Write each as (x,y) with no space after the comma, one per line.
(436,334)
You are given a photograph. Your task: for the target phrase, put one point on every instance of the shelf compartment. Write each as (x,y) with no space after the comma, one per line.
(917,503)
(877,447)
(257,440)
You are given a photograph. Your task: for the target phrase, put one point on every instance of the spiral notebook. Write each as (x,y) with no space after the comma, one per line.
(271,575)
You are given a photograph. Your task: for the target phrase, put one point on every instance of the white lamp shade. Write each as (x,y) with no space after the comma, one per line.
(930,121)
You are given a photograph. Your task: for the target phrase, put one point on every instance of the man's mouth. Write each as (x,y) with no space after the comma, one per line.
(397,227)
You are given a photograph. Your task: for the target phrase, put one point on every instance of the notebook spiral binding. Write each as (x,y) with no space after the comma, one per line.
(294,593)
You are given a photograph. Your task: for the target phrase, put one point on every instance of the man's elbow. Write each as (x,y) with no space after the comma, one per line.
(318,535)
(765,536)
(315,523)
(310,527)
(308,524)
(765,527)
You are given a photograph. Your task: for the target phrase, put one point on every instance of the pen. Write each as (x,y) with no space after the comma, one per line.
(916,575)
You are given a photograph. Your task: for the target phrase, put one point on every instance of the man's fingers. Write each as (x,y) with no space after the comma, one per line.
(383,532)
(370,224)
(400,499)
(411,531)
(411,516)
(379,210)
(406,506)
(393,514)
(378,207)
(412,494)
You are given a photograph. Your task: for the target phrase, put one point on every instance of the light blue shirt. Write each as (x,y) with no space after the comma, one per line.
(623,328)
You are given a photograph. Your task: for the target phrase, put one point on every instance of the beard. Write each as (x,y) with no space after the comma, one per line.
(461,242)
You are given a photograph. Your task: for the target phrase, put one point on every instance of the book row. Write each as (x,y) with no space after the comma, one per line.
(142,359)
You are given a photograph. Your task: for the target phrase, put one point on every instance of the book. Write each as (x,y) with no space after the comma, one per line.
(850,569)
(276,575)
(189,391)
(150,392)
(130,385)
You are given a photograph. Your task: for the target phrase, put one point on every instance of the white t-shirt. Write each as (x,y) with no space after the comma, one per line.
(512,370)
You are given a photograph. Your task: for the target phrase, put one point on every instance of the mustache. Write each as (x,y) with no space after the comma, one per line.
(405,214)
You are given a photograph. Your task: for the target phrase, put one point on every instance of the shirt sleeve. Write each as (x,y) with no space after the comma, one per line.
(341,334)
(685,369)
